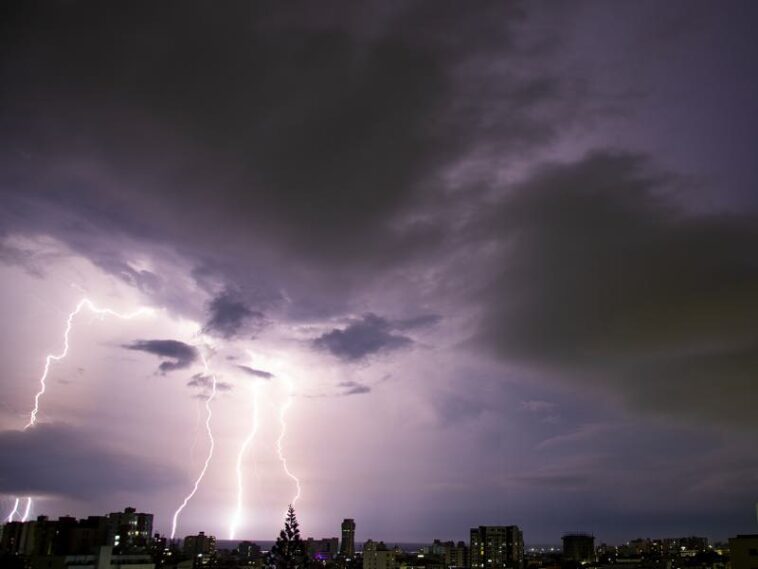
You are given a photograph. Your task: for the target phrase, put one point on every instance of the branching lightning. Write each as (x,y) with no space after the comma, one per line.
(237,518)
(50,358)
(14,511)
(27,510)
(282,421)
(211,448)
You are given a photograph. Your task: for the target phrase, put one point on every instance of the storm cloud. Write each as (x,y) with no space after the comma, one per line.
(256,372)
(509,207)
(368,335)
(228,315)
(61,460)
(606,278)
(205,383)
(181,355)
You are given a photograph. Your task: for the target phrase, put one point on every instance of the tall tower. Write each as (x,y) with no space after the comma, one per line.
(347,546)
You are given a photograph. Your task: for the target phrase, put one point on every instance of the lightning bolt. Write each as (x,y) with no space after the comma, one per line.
(237,518)
(283,423)
(211,448)
(50,358)
(27,510)
(14,511)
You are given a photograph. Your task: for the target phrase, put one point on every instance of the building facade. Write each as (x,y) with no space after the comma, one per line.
(378,556)
(743,551)
(496,547)
(200,548)
(579,547)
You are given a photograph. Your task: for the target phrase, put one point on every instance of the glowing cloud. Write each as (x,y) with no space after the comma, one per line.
(50,358)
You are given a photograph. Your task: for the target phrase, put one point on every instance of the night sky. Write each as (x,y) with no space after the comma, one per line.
(505,256)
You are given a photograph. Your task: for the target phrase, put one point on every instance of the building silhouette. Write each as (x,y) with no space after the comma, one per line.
(579,547)
(201,548)
(743,550)
(497,547)
(378,556)
(347,545)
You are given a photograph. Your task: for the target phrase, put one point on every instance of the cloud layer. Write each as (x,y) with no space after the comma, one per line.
(179,354)
(62,460)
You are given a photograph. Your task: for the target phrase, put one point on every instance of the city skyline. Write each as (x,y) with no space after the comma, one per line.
(421,265)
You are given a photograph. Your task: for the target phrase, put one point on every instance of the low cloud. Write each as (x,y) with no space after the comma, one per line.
(607,280)
(368,335)
(205,382)
(181,355)
(256,372)
(537,406)
(228,315)
(353,388)
(60,460)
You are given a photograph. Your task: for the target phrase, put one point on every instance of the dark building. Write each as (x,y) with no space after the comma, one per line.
(130,530)
(497,547)
(579,547)
(201,548)
(347,546)
(322,549)
(11,539)
(743,551)
(452,554)
(248,551)
(86,535)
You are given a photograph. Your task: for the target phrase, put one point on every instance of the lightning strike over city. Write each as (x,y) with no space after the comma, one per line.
(50,358)
(14,511)
(27,510)
(211,446)
(238,516)
(280,439)
(464,285)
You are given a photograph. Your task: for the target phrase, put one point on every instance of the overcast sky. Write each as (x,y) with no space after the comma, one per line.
(503,254)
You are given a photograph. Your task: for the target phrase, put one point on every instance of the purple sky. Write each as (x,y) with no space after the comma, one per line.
(503,254)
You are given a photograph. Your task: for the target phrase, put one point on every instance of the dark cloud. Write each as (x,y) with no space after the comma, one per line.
(537,406)
(205,382)
(263,160)
(606,279)
(368,335)
(60,460)
(353,388)
(256,372)
(182,355)
(417,322)
(229,314)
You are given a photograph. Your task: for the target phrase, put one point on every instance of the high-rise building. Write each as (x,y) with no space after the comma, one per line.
(201,548)
(743,551)
(579,547)
(347,545)
(324,549)
(452,554)
(378,556)
(249,551)
(130,529)
(497,547)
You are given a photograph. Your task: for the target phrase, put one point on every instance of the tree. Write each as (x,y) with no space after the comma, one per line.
(289,551)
